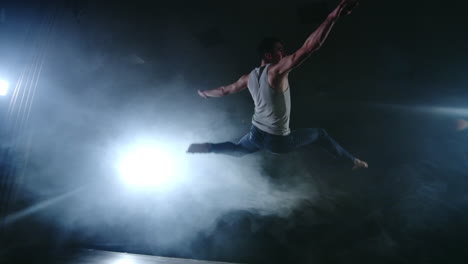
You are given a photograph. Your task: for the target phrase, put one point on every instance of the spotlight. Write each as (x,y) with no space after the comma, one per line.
(3,88)
(147,165)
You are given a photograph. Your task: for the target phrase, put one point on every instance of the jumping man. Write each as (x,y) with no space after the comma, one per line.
(269,87)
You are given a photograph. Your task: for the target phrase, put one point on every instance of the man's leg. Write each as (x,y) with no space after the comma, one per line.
(243,147)
(308,136)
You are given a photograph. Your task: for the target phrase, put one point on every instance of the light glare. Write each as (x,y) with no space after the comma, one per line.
(146,166)
(3,88)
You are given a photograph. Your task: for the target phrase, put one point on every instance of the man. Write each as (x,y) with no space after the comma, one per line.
(269,87)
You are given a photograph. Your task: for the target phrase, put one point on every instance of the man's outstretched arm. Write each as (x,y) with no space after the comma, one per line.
(315,40)
(235,87)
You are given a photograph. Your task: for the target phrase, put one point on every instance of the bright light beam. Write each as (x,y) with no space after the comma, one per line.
(147,165)
(428,109)
(460,124)
(3,88)
(451,110)
(10,219)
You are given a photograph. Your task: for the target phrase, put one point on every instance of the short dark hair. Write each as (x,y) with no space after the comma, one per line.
(267,45)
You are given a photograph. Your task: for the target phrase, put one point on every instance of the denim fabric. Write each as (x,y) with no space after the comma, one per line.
(257,139)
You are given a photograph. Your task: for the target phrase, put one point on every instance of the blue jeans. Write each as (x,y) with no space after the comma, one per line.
(257,139)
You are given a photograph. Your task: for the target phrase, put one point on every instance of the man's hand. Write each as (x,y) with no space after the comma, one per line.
(202,94)
(346,7)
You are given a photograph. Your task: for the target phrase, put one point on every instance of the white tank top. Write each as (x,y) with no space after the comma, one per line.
(272,108)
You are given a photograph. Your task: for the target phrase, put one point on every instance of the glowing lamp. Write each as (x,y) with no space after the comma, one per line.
(146,166)
(3,88)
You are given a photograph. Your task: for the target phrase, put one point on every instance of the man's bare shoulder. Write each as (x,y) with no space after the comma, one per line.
(277,69)
(274,71)
(276,79)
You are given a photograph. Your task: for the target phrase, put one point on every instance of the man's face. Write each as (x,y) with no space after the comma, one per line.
(276,54)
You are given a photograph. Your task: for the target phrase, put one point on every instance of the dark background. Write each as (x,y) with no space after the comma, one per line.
(388,84)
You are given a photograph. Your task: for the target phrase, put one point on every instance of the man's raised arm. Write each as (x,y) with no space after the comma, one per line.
(235,87)
(316,39)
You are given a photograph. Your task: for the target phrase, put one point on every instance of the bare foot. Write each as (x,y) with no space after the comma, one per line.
(358,164)
(199,148)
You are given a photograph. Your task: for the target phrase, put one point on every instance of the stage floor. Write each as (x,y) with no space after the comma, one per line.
(91,256)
